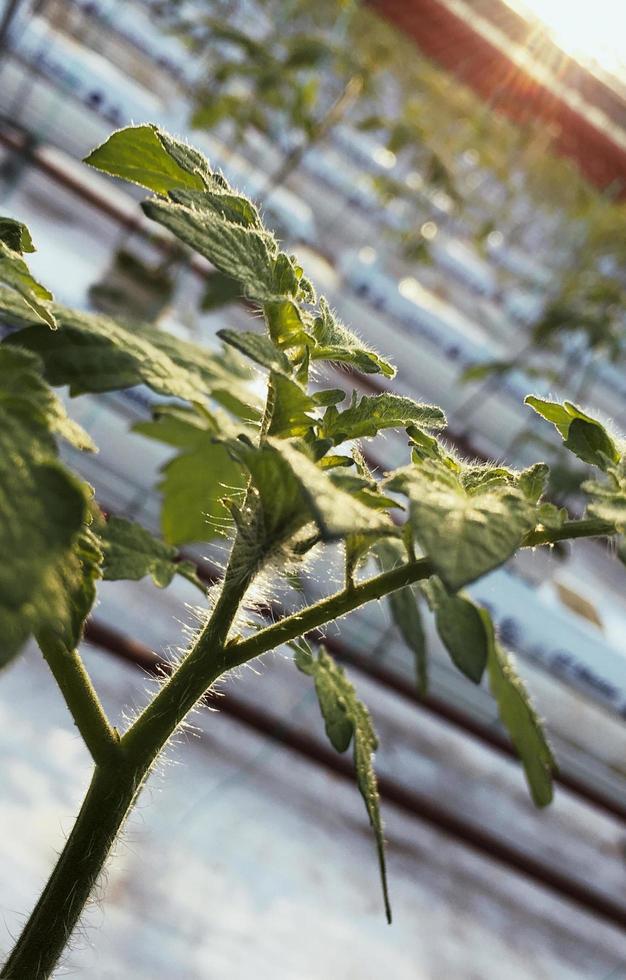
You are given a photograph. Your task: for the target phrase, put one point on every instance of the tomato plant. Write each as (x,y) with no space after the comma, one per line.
(285,476)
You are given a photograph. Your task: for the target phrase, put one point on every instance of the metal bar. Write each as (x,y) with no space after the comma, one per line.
(415,804)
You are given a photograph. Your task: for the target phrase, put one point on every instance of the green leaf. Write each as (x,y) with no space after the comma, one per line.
(608,499)
(25,392)
(131,552)
(15,235)
(591,442)
(195,482)
(520,719)
(375,412)
(221,201)
(336,512)
(551,411)
(347,719)
(284,322)
(77,582)
(461,629)
(334,342)
(225,375)
(307,52)
(15,274)
(43,508)
(146,156)
(478,372)
(583,435)
(259,348)
(94,353)
(465,534)
(405,611)
(293,492)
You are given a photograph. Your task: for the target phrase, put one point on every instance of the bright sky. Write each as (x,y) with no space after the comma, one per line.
(588,30)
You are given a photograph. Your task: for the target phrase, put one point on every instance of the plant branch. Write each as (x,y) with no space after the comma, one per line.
(326,610)
(69,672)
(589,527)
(115,785)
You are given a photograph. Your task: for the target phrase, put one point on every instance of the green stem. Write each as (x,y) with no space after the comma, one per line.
(48,930)
(75,685)
(589,527)
(200,668)
(326,611)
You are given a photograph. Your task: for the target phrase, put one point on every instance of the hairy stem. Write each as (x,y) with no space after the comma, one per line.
(326,611)
(48,930)
(75,685)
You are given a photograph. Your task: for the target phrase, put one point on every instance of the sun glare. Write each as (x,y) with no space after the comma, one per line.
(595,31)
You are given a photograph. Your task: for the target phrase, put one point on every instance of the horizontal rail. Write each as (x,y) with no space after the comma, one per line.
(417,805)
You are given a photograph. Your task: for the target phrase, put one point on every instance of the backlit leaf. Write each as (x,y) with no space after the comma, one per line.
(347,719)
(583,435)
(15,274)
(375,412)
(16,235)
(195,482)
(520,718)
(43,509)
(140,154)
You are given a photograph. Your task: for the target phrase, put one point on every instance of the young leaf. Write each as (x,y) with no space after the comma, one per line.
(336,512)
(608,499)
(465,534)
(533,481)
(131,552)
(146,156)
(290,405)
(284,322)
(405,611)
(591,442)
(375,412)
(584,436)
(520,719)
(347,719)
(334,342)
(245,254)
(293,492)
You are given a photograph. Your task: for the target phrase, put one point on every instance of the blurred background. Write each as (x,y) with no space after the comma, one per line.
(452,175)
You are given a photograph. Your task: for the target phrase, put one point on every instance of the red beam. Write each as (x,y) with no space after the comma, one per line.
(485,67)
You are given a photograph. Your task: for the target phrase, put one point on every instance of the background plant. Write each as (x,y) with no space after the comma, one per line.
(285,478)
